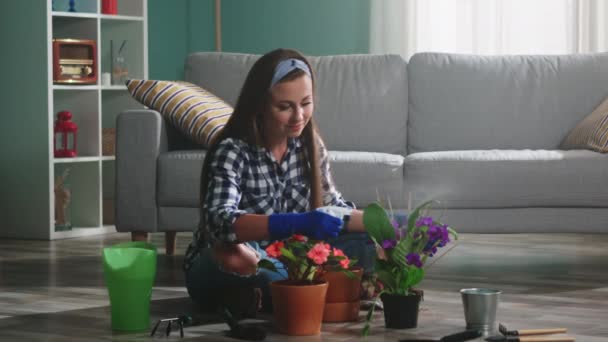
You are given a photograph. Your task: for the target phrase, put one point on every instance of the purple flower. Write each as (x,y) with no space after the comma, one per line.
(424,221)
(445,235)
(389,244)
(395,223)
(413,259)
(434,232)
(442,235)
(439,236)
(430,249)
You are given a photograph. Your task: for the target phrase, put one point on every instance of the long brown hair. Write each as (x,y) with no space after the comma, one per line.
(245,121)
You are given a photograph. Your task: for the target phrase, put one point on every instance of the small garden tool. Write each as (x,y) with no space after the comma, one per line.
(181,320)
(503,338)
(503,330)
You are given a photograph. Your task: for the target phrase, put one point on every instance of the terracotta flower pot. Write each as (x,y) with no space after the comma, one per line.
(298,308)
(401,312)
(341,312)
(341,287)
(342,302)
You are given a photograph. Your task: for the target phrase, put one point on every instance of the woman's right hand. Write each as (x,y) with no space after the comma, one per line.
(315,224)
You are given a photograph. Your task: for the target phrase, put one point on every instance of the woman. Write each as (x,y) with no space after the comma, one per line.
(263,179)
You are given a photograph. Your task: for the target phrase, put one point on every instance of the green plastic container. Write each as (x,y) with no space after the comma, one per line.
(130,269)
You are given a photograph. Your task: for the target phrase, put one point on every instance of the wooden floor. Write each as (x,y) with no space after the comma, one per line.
(54,291)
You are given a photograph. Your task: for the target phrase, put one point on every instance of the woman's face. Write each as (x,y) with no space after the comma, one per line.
(291,107)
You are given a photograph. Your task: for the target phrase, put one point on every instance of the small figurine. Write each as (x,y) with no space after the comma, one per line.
(63,197)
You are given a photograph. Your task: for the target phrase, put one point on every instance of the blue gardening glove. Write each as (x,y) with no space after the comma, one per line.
(314,224)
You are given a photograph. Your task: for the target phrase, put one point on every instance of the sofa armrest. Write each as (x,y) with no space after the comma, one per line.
(141,136)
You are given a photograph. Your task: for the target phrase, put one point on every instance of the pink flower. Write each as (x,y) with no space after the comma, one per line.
(338,252)
(345,263)
(319,253)
(274,250)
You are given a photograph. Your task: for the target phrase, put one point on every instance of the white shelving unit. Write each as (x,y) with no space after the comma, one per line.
(94,107)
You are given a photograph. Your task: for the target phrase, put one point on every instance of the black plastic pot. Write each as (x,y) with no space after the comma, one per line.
(401,312)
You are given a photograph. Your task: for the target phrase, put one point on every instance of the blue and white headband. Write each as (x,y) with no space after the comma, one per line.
(287,66)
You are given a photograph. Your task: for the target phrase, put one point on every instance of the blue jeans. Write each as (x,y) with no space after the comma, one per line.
(205,279)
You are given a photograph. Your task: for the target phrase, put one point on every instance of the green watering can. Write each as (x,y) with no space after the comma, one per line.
(129,270)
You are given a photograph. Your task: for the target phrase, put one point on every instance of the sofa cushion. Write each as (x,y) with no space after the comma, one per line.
(361,98)
(179,178)
(360,176)
(358,97)
(196,112)
(592,132)
(508,178)
(464,102)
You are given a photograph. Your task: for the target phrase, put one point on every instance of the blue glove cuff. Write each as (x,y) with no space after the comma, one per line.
(281,226)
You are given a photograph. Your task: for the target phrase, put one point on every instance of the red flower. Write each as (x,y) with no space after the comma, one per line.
(274,250)
(338,252)
(319,253)
(345,263)
(298,237)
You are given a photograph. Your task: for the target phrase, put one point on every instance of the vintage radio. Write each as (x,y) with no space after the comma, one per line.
(74,61)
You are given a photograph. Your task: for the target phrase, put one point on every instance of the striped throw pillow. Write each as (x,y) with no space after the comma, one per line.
(591,133)
(196,112)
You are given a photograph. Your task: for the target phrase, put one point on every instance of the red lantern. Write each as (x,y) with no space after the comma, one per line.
(64,142)
(109,7)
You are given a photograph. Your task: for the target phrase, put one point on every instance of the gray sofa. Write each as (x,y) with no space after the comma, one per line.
(479,134)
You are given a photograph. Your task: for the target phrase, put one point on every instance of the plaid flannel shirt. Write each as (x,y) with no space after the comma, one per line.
(247,179)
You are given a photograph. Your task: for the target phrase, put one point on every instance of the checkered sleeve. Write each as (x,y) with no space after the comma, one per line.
(224,192)
(331,196)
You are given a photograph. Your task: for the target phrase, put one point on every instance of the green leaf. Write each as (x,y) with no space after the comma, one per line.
(349,274)
(375,241)
(387,278)
(377,223)
(368,317)
(382,265)
(403,279)
(415,276)
(288,255)
(400,252)
(267,264)
(306,266)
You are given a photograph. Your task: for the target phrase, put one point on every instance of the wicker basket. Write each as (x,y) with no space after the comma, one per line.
(108,139)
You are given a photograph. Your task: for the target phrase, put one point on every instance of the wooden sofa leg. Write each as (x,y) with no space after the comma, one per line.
(170,238)
(139,236)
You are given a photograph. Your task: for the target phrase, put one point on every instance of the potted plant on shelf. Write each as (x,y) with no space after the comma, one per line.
(298,302)
(402,249)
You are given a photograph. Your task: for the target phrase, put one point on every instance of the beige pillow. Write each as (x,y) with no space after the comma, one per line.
(591,133)
(196,112)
